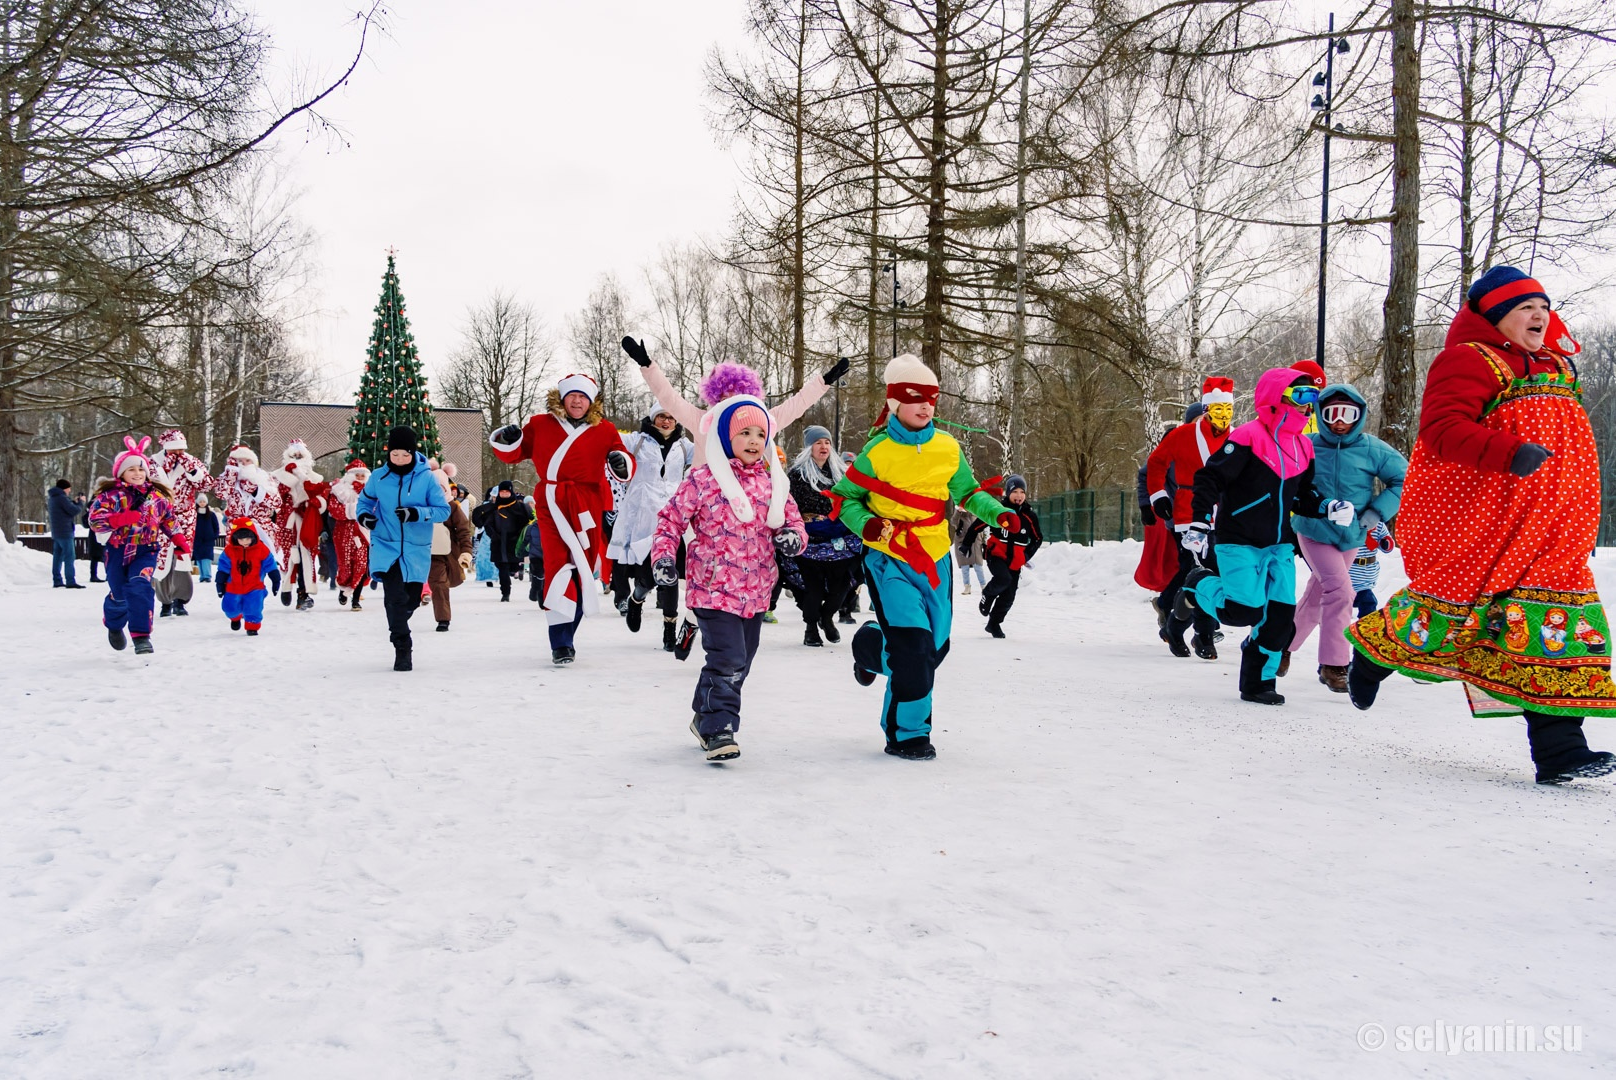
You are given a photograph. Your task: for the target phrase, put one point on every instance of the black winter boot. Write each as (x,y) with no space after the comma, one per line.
(670,633)
(1205,647)
(811,638)
(634,616)
(1183,605)
(1364,681)
(116,639)
(918,749)
(166,611)
(1560,752)
(180,608)
(827,625)
(1253,687)
(402,654)
(143,644)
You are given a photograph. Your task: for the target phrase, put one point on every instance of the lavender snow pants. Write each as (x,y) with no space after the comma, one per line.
(1327,605)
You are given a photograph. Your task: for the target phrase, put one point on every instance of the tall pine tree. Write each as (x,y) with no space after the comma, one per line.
(393,391)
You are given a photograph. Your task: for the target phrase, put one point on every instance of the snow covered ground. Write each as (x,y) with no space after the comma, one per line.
(278,858)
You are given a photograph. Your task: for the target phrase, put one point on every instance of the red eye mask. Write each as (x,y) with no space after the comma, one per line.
(911,393)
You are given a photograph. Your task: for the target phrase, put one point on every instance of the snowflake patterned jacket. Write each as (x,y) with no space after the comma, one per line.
(730,564)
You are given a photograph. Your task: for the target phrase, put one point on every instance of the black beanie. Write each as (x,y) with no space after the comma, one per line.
(505,485)
(403,438)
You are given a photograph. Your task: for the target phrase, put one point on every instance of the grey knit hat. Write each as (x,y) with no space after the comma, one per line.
(813,433)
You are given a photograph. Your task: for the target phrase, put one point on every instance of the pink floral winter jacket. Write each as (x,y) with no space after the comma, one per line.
(730,564)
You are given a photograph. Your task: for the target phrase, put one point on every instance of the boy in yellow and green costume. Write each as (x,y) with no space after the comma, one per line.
(895,496)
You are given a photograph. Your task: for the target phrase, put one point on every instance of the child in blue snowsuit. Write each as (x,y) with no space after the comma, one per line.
(1262,475)
(239,576)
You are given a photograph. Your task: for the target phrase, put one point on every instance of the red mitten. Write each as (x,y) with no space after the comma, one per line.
(123,518)
(1009,521)
(875,529)
(181,545)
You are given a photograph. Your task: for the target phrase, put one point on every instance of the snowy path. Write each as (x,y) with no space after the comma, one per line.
(276,858)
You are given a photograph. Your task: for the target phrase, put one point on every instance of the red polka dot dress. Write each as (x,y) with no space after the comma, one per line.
(1501,597)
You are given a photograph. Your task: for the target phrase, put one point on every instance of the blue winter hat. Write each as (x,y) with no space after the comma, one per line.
(1498,291)
(1013,481)
(813,433)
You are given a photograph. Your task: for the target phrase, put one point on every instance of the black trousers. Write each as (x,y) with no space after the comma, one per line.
(828,586)
(400,599)
(506,570)
(1004,584)
(1205,625)
(730,642)
(642,576)
(1555,740)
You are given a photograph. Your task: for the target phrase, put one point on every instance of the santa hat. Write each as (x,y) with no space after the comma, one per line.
(1312,370)
(173,439)
(578,384)
(718,448)
(1217,390)
(241,455)
(131,453)
(356,465)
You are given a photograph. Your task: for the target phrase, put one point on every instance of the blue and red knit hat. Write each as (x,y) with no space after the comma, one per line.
(1498,291)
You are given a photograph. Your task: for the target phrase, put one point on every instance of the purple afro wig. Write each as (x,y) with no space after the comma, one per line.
(729,380)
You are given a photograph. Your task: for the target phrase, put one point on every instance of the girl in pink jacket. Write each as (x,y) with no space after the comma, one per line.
(739,509)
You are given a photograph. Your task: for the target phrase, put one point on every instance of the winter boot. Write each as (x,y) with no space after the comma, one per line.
(918,749)
(670,633)
(402,654)
(829,632)
(168,610)
(1183,605)
(811,639)
(355,601)
(306,602)
(442,627)
(1253,687)
(864,676)
(997,631)
(563,655)
(966,588)
(287,599)
(1173,636)
(180,608)
(720,747)
(143,644)
(769,617)
(1160,615)
(684,639)
(116,639)
(343,598)
(1596,763)
(1364,681)
(1205,647)
(236,624)
(634,616)
(1285,666)
(847,619)
(1334,676)
(253,633)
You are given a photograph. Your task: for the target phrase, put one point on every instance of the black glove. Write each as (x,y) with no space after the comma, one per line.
(664,569)
(220,580)
(508,435)
(788,542)
(619,465)
(1162,508)
(837,372)
(635,350)
(1146,513)
(1529,456)
(406,513)
(368,521)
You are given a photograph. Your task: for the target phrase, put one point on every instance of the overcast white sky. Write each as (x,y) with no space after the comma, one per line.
(528,146)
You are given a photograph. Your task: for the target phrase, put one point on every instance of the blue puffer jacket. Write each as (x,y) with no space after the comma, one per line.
(408,543)
(1346,467)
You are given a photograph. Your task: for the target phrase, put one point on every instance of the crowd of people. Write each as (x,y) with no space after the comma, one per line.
(1496,515)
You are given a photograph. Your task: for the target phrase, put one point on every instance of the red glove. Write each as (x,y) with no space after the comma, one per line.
(181,545)
(1009,521)
(123,518)
(876,529)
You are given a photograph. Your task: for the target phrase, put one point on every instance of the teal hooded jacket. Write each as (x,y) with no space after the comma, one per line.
(1347,467)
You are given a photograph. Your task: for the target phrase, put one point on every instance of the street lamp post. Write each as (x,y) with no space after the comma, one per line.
(1324,102)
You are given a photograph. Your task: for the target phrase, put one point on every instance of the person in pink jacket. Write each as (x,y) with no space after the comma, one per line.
(739,508)
(724,381)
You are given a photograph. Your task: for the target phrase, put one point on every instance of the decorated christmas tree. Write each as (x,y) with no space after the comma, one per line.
(393,390)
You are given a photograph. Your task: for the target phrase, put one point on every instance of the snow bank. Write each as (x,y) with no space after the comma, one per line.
(22,568)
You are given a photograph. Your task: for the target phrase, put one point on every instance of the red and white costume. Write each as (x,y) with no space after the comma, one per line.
(247,491)
(298,520)
(1184,451)
(350,542)
(185,476)
(571,459)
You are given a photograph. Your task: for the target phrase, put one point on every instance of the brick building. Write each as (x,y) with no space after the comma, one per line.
(325,430)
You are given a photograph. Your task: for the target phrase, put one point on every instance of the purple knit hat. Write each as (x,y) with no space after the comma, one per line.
(730,380)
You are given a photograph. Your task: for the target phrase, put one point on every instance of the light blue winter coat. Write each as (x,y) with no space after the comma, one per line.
(410,542)
(1346,467)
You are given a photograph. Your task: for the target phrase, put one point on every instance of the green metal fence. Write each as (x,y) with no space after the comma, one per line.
(1090,514)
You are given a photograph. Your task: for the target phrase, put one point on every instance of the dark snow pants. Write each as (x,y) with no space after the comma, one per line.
(1001,589)
(729,650)
(129,590)
(401,598)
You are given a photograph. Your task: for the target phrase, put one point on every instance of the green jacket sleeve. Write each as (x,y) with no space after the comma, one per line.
(979,503)
(854,512)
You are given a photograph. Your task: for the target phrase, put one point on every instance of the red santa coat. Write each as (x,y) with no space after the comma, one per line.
(351,546)
(186,477)
(247,491)
(298,521)
(1183,451)
(570,501)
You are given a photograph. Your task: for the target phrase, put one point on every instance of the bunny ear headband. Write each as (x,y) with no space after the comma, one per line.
(139,448)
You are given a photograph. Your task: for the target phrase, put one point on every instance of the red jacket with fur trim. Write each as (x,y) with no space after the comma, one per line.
(1183,451)
(1459,387)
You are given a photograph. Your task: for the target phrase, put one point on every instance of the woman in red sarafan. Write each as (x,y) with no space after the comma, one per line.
(1500,513)
(574,450)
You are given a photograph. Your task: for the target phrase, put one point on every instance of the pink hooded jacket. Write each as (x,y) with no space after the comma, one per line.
(730,564)
(1275,435)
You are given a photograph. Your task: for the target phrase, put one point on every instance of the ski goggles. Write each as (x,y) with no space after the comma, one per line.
(1302,395)
(1340,412)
